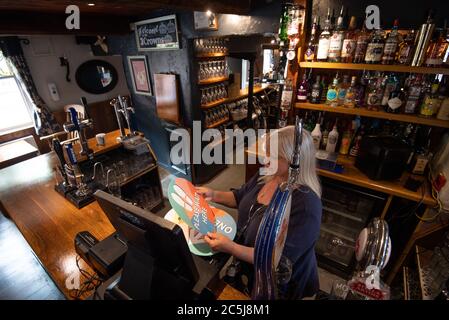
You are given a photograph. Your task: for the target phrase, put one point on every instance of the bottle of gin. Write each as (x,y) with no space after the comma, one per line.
(342,90)
(315,96)
(332,93)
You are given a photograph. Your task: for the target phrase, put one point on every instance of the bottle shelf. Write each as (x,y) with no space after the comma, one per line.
(213,104)
(216,124)
(213,80)
(211,55)
(374,67)
(375,114)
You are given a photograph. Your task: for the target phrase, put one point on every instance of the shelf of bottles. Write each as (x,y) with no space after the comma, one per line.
(364,112)
(374,67)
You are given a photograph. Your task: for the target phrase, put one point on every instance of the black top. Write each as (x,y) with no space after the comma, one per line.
(303,232)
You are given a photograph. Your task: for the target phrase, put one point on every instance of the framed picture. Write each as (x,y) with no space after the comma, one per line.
(157,34)
(205,20)
(140,76)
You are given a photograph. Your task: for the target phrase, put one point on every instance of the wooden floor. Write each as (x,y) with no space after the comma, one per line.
(21,275)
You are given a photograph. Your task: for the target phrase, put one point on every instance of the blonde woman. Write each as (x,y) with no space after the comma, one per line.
(304,227)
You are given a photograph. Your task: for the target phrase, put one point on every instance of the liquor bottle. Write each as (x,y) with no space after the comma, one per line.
(342,89)
(396,100)
(391,82)
(325,138)
(391,45)
(351,93)
(361,90)
(324,88)
(324,41)
(431,102)
(413,95)
(302,89)
(374,96)
(287,95)
(437,49)
(283,36)
(332,93)
(332,139)
(345,142)
(354,152)
(405,52)
(316,135)
(309,54)
(349,42)
(336,40)
(361,44)
(375,48)
(315,96)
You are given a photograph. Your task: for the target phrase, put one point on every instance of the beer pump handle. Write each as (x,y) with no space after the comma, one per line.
(86,107)
(74,118)
(57,148)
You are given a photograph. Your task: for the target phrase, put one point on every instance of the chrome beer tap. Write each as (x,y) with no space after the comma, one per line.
(121,106)
(78,126)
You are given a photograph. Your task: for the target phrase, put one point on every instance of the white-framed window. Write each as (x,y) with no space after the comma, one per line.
(14,106)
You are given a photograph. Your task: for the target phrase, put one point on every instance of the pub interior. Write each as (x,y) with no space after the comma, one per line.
(120,171)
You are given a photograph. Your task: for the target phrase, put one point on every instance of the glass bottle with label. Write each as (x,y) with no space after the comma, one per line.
(324,86)
(310,53)
(361,44)
(315,96)
(375,48)
(332,139)
(323,43)
(342,90)
(349,42)
(431,102)
(405,52)
(413,95)
(283,36)
(391,83)
(396,100)
(336,40)
(332,93)
(316,135)
(391,45)
(345,142)
(351,94)
(302,89)
(374,96)
(324,138)
(361,89)
(437,50)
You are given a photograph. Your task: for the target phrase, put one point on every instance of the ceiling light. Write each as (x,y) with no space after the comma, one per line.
(208,12)
(91,4)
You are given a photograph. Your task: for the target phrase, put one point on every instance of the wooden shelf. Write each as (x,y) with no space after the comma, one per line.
(374,67)
(211,55)
(233,96)
(213,104)
(217,123)
(213,80)
(353,175)
(375,114)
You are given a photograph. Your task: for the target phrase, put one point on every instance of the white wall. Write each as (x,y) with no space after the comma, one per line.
(42,55)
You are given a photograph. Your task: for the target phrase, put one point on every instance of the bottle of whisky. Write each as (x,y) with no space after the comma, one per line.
(405,52)
(361,44)
(375,48)
(324,41)
(310,53)
(391,45)
(437,49)
(336,40)
(349,42)
(351,93)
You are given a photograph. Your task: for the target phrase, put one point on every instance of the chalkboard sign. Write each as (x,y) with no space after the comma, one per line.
(157,34)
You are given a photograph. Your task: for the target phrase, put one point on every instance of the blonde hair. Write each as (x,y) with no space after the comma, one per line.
(307,162)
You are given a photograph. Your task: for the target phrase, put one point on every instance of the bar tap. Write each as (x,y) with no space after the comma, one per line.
(121,106)
(74,172)
(272,232)
(78,126)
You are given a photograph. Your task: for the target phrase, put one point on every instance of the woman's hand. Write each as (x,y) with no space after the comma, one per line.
(207,193)
(219,242)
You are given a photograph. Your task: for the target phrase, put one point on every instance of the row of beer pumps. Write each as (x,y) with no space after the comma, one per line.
(75,186)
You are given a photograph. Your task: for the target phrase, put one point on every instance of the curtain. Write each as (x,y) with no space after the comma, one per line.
(44,121)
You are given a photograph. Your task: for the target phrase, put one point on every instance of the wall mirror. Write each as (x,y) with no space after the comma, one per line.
(96,76)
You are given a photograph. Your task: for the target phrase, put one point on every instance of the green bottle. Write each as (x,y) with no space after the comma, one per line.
(283,36)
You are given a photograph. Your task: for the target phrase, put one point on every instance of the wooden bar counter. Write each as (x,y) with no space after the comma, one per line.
(49,222)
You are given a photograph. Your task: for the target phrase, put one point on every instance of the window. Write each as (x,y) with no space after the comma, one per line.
(14,108)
